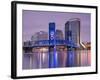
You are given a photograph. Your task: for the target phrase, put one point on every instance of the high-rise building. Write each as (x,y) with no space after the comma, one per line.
(59,34)
(72,31)
(72,37)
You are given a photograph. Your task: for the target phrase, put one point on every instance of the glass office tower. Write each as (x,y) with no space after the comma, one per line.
(72,39)
(72,31)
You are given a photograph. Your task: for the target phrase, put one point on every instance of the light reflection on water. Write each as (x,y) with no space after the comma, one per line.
(75,58)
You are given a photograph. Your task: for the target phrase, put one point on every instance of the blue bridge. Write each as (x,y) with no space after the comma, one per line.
(45,43)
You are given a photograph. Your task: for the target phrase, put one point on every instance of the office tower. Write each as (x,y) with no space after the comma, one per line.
(72,37)
(72,31)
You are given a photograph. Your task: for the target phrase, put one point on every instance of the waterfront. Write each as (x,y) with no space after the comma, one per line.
(55,40)
(40,58)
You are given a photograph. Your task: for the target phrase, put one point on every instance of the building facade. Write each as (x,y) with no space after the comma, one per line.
(59,34)
(39,37)
(72,31)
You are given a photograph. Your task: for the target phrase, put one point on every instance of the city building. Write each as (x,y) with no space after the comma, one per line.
(42,35)
(48,50)
(39,37)
(34,37)
(59,34)
(72,37)
(27,43)
(72,31)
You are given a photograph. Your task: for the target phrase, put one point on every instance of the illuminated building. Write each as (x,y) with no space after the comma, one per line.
(72,31)
(51,50)
(72,37)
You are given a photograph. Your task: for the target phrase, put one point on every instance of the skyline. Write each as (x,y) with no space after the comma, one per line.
(35,21)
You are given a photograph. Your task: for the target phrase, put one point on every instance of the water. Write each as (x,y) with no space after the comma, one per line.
(39,60)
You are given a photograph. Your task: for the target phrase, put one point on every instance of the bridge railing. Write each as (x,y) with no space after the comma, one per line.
(46,43)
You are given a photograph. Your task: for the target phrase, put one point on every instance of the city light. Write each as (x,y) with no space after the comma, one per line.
(55,51)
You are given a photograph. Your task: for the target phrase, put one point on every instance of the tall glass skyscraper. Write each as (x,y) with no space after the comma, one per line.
(72,37)
(72,31)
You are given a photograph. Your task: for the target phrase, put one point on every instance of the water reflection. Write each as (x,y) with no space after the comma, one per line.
(64,58)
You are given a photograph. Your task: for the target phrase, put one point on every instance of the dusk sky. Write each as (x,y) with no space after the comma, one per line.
(35,21)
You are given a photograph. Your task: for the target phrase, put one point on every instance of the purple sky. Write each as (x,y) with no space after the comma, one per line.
(35,21)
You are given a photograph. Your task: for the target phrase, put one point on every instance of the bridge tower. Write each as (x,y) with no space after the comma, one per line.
(53,59)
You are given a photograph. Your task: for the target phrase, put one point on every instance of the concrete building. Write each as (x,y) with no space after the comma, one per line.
(38,37)
(41,35)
